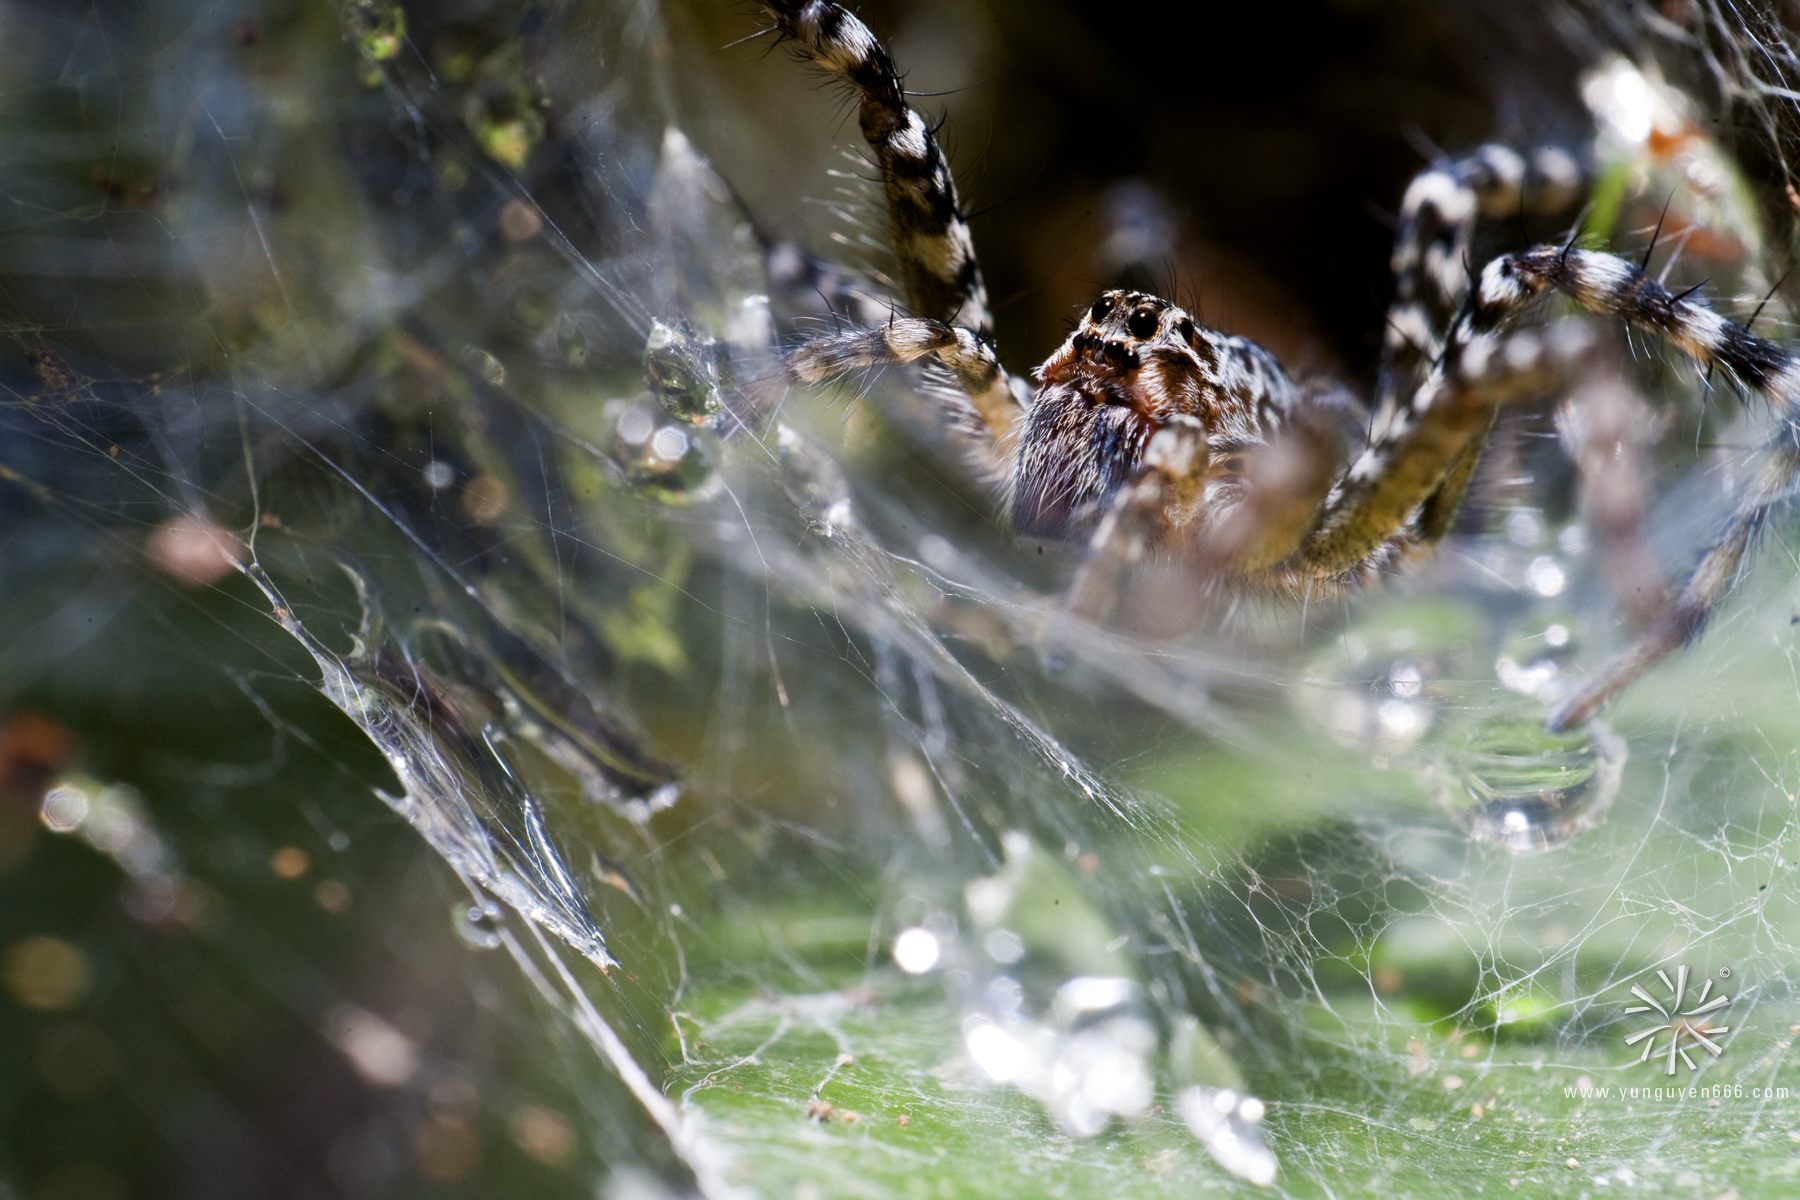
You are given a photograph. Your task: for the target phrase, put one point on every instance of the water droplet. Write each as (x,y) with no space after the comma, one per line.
(477,924)
(916,951)
(1524,527)
(1512,782)
(1545,576)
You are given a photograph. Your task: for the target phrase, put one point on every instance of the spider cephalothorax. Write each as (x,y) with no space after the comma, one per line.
(1147,429)
(1134,366)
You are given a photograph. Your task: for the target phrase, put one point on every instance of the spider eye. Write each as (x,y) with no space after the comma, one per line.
(1142,324)
(1102,306)
(1235,465)
(1186,329)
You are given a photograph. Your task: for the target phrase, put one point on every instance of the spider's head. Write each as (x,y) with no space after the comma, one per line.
(1128,316)
(1139,351)
(1135,365)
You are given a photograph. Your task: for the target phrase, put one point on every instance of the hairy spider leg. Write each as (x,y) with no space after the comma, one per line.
(1171,475)
(931,236)
(1605,283)
(1431,248)
(1608,429)
(968,359)
(937,256)
(1275,500)
(1434,411)
(1380,508)
(1431,280)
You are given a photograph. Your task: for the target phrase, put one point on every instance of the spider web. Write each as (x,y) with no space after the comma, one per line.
(701,768)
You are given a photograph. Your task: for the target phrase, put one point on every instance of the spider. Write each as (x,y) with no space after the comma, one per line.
(1146,430)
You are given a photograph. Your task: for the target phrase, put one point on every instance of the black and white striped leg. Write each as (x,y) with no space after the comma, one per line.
(1608,430)
(1711,579)
(1608,284)
(1431,248)
(931,236)
(968,359)
(1389,499)
(1163,494)
(1255,525)
(1437,222)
